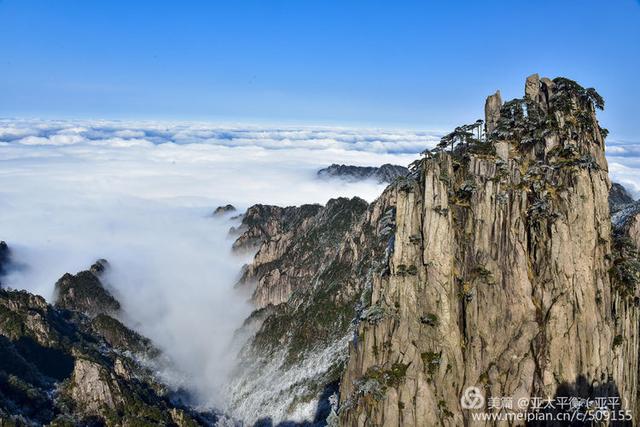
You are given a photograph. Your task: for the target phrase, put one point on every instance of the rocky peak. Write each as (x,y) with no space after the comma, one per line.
(59,368)
(619,197)
(5,255)
(261,222)
(492,111)
(532,87)
(223,210)
(275,269)
(308,281)
(85,293)
(506,232)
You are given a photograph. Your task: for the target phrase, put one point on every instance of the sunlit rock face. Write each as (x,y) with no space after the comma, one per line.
(492,264)
(501,273)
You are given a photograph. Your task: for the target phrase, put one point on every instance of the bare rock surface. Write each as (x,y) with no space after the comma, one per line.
(510,288)
(261,222)
(493,264)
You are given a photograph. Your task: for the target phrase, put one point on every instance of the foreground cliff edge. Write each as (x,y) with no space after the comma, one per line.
(493,265)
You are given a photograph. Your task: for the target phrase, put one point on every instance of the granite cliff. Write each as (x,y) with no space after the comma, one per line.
(494,264)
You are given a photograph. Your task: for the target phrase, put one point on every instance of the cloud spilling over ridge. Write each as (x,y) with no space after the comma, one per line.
(142,197)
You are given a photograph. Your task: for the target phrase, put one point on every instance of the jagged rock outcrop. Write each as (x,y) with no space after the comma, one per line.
(292,258)
(625,214)
(309,282)
(261,222)
(494,264)
(4,258)
(59,367)
(386,173)
(619,197)
(492,111)
(223,210)
(507,283)
(85,293)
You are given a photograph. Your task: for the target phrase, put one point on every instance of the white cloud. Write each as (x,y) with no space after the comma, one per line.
(140,195)
(278,138)
(57,139)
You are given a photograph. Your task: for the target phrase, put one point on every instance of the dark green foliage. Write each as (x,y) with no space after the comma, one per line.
(618,340)
(541,209)
(465,192)
(595,98)
(373,314)
(406,270)
(415,239)
(442,407)
(429,319)
(440,210)
(85,293)
(395,375)
(625,271)
(377,379)
(431,361)
(119,336)
(5,254)
(566,90)
(570,156)
(39,347)
(483,274)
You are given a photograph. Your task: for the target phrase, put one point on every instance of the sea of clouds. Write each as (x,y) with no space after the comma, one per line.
(141,195)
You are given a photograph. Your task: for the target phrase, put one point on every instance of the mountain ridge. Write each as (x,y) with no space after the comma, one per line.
(510,212)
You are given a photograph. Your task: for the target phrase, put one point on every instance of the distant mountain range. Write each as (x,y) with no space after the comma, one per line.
(382,174)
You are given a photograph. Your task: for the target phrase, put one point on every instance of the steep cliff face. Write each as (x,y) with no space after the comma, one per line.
(261,222)
(500,276)
(293,257)
(309,280)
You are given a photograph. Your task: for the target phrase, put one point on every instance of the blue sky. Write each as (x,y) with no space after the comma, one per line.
(425,65)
